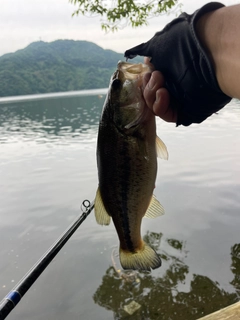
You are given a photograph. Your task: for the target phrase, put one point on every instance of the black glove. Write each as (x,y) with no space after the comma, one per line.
(189,75)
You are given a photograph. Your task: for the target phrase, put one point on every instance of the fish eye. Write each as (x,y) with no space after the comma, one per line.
(116,83)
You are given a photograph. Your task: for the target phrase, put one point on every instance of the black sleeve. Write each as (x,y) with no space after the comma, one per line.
(189,74)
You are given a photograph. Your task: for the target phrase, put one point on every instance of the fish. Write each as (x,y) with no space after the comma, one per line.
(127,150)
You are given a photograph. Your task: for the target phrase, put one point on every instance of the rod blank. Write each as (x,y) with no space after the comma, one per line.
(14,296)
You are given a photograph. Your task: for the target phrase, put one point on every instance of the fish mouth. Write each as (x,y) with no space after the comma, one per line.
(128,72)
(119,75)
(133,71)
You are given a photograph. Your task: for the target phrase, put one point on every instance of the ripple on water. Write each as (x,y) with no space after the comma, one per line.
(48,167)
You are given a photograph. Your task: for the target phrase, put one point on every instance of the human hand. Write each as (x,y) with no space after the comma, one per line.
(191,92)
(156,96)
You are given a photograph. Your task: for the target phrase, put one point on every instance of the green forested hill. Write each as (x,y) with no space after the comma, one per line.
(61,65)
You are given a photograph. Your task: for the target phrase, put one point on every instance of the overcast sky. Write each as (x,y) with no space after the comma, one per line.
(26,21)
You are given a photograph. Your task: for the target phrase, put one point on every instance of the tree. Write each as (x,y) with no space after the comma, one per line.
(117,14)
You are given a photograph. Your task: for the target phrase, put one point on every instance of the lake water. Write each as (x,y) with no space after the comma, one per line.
(48,167)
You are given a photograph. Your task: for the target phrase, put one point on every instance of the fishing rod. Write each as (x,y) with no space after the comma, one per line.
(14,296)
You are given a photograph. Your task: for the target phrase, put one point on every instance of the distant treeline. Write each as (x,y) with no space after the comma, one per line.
(62,65)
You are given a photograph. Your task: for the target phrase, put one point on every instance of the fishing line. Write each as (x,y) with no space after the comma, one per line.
(14,296)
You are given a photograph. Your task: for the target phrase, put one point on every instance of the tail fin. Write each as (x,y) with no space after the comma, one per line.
(145,258)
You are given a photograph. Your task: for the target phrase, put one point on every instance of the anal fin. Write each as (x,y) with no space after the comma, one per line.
(101,215)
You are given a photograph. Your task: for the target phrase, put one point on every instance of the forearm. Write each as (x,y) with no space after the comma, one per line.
(219,32)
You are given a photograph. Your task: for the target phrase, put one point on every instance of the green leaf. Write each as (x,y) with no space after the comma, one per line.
(117,14)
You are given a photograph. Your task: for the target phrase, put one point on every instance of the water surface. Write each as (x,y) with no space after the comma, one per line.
(48,167)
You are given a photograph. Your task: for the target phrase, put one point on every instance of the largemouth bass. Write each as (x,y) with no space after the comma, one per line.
(127,150)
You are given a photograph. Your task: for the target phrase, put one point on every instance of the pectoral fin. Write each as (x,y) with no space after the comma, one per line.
(161,149)
(155,209)
(101,215)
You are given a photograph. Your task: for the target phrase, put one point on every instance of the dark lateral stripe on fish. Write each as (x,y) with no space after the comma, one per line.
(124,195)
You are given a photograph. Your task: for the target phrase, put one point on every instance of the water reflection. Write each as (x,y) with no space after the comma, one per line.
(48,167)
(161,297)
(48,120)
(235,267)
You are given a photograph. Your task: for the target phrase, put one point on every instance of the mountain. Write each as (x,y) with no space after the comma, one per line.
(58,66)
